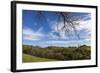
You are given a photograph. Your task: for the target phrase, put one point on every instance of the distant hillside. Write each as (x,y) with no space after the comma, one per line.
(59,53)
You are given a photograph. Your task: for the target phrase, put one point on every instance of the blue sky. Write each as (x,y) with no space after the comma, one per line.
(42,30)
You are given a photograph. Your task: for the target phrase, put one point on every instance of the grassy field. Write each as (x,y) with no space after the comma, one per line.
(29,58)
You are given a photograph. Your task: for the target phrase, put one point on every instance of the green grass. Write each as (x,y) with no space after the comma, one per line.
(29,58)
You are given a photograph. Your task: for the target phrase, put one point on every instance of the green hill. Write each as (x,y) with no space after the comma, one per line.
(52,53)
(29,58)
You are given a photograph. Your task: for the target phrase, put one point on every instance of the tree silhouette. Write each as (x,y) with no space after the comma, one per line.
(70,22)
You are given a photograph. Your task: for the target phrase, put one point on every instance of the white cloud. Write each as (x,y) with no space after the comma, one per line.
(27,31)
(29,34)
(56,27)
(63,43)
(85,25)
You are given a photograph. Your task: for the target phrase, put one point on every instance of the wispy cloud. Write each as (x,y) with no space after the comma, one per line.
(64,43)
(29,34)
(84,25)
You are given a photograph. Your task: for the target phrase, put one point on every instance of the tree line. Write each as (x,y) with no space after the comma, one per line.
(59,53)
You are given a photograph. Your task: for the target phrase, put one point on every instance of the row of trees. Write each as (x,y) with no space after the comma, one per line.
(59,53)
